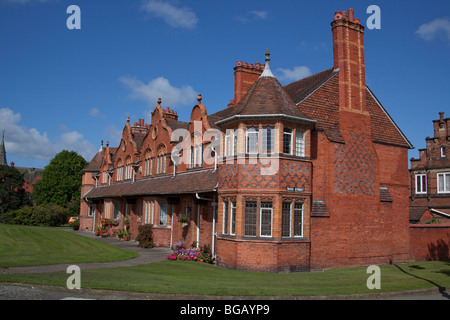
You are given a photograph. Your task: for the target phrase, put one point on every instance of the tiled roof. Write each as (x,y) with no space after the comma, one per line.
(385,195)
(319,209)
(181,183)
(265,98)
(415,213)
(317,96)
(301,89)
(95,163)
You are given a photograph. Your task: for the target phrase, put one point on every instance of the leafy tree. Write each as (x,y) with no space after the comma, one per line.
(12,195)
(61,180)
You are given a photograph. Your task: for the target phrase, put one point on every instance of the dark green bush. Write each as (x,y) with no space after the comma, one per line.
(75,225)
(145,236)
(46,215)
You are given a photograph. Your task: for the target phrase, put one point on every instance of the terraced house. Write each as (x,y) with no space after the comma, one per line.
(285,178)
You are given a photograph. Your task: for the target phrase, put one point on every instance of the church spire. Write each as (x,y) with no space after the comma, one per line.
(3,161)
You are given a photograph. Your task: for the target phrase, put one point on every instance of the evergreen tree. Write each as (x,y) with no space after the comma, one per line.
(61,180)
(12,195)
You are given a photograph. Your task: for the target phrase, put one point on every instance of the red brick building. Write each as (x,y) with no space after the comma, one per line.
(430,177)
(286,178)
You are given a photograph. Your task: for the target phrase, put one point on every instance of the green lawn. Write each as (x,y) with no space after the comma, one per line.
(33,246)
(200,278)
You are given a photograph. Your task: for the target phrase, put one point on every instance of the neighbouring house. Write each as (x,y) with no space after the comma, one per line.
(30,175)
(430,177)
(306,176)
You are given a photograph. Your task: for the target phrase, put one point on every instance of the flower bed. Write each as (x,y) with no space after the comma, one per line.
(190,254)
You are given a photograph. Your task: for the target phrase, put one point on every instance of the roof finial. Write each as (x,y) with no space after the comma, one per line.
(267,72)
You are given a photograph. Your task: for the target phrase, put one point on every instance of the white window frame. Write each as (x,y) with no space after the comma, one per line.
(116,205)
(446,186)
(250,148)
(228,144)
(291,134)
(443,152)
(261,209)
(268,143)
(290,219)
(163,222)
(226,216)
(299,143)
(91,210)
(302,219)
(232,217)
(419,178)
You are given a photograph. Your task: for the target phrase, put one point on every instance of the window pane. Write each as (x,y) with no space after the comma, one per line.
(250,218)
(440,182)
(163,214)
(286,220)
(300,144)
(233,218)
(268,140)
(287,141)
(298,220)
(252,140)
(225,217)
(228,143)
(447,182)
(266,219)
(116,211)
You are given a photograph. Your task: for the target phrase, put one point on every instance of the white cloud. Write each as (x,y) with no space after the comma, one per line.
(174,16)
(435,28)
(253,15)
(294,74)
(160,88)
(95,113)
(30,143)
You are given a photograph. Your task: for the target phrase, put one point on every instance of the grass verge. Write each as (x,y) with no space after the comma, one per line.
(22,246)
(181,277)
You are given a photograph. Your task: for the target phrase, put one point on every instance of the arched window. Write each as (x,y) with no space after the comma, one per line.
(128,169)
(119,174)
(161,160)
(148,163)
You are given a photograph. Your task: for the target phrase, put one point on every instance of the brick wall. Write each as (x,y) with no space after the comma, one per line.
(430,242)
(266,256)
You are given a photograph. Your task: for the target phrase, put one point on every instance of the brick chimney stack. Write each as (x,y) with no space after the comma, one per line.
(348,46)
(245,75)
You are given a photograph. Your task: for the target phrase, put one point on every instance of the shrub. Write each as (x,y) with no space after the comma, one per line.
(145,236)
(46,215)
(76,224)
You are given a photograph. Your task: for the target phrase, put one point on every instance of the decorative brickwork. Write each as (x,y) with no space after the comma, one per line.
(354,167)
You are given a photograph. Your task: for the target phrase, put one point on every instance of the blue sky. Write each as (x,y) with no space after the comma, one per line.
(70,89)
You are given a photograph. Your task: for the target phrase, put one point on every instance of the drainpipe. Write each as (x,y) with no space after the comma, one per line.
(171,227)
(214,204)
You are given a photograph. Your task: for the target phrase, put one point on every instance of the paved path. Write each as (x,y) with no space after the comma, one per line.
(145,256)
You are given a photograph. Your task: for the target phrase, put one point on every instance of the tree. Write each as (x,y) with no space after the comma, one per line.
(12,195)
(61,180)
